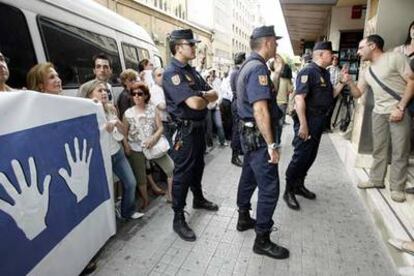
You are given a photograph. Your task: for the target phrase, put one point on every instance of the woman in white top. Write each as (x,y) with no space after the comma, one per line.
(97,91)
(144,129)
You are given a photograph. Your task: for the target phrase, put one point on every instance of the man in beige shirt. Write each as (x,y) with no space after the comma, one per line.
(4,74)
(391,122)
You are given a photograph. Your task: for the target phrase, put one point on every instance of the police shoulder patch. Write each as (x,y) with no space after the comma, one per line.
(263,80)
(175,79)
(304,79)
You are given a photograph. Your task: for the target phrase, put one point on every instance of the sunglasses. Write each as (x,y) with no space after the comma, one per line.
(139,94)
(191,44)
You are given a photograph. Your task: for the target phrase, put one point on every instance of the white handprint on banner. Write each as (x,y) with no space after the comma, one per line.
(78,181)
(30,206)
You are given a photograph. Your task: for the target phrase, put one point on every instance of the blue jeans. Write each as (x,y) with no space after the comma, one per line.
(214,116)
(122,169)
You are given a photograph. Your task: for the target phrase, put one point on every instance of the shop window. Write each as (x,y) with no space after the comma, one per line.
(71,50)
(16,45)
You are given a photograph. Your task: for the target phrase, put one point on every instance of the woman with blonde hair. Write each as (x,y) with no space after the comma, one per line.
(44,78)
(97,91)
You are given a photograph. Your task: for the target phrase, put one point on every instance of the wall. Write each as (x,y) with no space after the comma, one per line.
(158,24)
(341,21)
(394,18)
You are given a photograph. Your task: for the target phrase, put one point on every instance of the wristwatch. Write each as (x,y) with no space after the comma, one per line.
(272,146)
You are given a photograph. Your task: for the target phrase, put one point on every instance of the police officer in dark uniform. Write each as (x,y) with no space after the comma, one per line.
(314,99)
(256,104)
(187,96)
(239,58)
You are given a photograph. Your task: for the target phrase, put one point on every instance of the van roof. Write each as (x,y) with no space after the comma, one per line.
(94,11)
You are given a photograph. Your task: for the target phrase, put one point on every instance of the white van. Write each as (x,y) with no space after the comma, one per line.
(68,34)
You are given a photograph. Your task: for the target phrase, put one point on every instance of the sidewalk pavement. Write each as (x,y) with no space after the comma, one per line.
(333,235)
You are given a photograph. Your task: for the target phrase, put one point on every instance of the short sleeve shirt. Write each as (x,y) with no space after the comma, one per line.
(256,85)
(158,97)
(180,82)
(390,69)
(314,82)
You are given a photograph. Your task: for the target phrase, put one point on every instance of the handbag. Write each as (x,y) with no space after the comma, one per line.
(158,150)
(410,105)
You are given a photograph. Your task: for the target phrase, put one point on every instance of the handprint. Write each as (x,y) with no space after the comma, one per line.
(30,206)
(79,168)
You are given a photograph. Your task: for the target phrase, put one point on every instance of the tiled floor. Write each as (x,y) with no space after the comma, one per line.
(333,235)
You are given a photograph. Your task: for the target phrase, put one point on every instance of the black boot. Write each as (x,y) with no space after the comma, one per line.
(235,159)
(264,246)
(290,199)
(301,190)
(245,222)
(181,227)
(205,204)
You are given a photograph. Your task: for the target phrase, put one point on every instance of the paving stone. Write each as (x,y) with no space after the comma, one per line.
(332,235)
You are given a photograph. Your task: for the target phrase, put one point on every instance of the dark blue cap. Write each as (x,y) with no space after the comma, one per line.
(186,34)
(264,31)
(323,45)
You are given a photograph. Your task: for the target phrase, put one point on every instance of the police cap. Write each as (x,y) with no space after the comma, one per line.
(186,34)
(264,31)
(239,58)
(323,45)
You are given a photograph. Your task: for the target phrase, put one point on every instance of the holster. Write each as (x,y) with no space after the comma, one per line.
(251,138)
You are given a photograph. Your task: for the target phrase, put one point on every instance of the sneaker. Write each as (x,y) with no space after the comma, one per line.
(398,196)
(225,144)
(370,185)
(136,215)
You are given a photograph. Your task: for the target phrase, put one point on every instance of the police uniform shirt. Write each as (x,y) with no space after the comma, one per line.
(257,87)
(181,81)
(314,82)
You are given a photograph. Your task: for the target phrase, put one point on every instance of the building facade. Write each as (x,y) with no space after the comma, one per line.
(159,20)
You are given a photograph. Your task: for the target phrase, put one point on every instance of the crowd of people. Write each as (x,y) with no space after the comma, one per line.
(165,118)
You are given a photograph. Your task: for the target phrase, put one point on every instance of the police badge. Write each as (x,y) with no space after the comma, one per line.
(304,78)
(263,80)
(175,79)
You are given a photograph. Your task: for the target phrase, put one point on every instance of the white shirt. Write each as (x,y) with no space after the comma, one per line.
(216,86)
(225,89)
(158,97)
(149,81)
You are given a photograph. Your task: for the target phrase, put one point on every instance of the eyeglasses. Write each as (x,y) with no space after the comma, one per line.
(139,94)
(191,44)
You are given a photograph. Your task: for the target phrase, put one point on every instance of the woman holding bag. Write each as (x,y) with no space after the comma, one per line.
(145,140)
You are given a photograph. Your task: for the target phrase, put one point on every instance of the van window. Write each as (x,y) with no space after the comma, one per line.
(157,61)
(71,50)
(16,44)
(143,54)
(131,57)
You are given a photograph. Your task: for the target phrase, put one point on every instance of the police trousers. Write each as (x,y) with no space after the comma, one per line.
(189,163)
(258,172)
(305,151)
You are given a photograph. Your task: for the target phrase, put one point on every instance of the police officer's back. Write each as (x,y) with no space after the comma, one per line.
(187,96)
(256,105)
